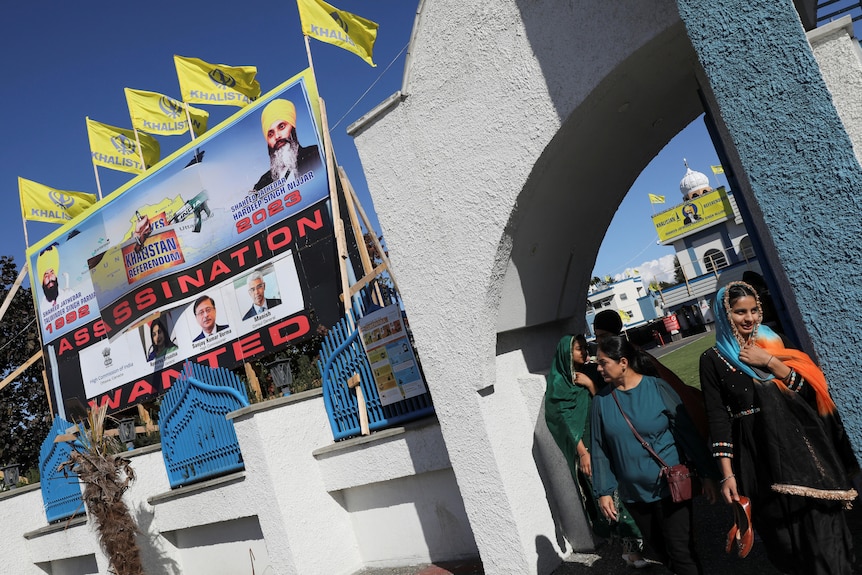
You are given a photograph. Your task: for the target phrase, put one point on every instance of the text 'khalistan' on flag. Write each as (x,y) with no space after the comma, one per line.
(117,148)
(39,203)
(328,24)
(219,84)
(158,114)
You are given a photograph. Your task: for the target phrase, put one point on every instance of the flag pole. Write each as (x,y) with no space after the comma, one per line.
(189,119)
(308,52)
(98,183)
(23,220)
(140,149)
(26,240)
(95,168)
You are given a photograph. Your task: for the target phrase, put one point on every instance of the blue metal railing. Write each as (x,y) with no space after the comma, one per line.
(61,495)
(198,442)
(343,355)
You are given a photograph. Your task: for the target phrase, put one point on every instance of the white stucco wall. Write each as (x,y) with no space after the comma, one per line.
(455,170)
(840,59)
(300,497)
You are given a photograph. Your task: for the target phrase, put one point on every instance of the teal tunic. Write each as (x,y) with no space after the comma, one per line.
(567,414)
(621,462)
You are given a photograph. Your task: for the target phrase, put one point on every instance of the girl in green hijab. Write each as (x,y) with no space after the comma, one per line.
(572,382)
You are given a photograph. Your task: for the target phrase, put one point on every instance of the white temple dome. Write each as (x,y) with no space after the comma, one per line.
(693,182)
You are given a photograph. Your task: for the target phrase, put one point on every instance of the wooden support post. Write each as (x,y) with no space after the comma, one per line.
(13,290)
(367,264)
(370,228)
(47,394)
(72,433)
(353,383)
(337,223)
(11,377)
(253,381)
(146,419)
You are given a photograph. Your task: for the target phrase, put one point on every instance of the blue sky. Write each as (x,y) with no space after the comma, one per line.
(631,240)
(65,61)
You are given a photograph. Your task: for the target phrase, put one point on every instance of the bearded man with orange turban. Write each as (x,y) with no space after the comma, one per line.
(48,273)
(288,159)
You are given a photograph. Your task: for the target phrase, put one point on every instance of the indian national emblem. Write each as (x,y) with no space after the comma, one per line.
(106,353)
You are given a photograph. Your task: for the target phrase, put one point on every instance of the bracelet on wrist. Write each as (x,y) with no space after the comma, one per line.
(771,357)
(721,481)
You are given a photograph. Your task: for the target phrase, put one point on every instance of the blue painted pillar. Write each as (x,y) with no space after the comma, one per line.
(799,177)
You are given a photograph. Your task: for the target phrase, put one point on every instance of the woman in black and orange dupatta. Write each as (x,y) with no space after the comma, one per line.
(778,440)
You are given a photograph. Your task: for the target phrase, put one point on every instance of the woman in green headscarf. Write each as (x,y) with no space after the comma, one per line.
(572,382)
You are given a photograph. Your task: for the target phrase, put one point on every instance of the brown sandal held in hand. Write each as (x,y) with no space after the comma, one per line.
(742,533)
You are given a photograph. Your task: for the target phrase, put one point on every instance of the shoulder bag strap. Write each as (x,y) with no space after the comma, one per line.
(640,439)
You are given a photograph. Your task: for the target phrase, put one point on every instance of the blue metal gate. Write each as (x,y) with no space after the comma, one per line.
(342,355)
(198,442)
(61,495)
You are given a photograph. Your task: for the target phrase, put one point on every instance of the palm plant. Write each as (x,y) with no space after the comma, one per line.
(106,475)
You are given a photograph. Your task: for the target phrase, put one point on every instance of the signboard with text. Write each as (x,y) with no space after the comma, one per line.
(700,212)
(391,356)
(222,253)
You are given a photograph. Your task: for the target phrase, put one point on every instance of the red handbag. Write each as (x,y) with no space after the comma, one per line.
(678,477)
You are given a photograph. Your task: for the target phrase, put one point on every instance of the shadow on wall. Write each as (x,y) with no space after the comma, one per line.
(621,95)
(410,518)
(564,501)
(156,561)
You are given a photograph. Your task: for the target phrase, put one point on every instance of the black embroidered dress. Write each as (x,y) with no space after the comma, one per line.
(791,462)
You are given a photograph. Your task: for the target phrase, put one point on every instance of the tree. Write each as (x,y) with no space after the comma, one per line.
(26,419)
(106,475)
(678,275)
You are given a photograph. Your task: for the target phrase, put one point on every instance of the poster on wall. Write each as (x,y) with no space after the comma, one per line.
(699,212)
(222,253)
(393,362)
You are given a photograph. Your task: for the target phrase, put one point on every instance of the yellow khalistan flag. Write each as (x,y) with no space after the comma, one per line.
(157,114)
(220,84)
(116,148)
(717,169)
(328,24)
(43,204)
(654,199)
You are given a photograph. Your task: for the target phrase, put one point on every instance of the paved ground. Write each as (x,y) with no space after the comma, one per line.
(712,523)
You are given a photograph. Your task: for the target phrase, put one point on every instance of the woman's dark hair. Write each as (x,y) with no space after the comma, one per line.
(165,335)
(582,343)
(737,290)
(617,347)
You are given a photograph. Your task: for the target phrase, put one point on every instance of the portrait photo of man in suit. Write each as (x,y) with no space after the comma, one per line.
(205,314)
(257,291)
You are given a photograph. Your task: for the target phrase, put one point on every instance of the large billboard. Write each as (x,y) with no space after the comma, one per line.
(222,253)
(694,214)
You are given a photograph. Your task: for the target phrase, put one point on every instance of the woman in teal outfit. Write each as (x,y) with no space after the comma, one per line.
(622,465)
(572,382)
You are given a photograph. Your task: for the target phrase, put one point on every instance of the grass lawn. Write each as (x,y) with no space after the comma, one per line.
(685,361)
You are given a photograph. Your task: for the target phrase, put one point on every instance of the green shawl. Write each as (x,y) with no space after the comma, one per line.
(567,405)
